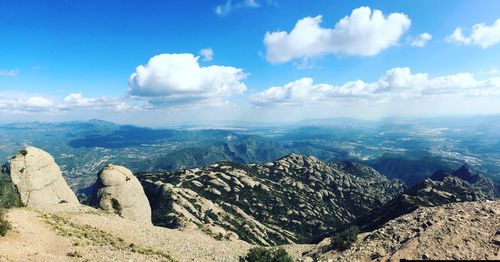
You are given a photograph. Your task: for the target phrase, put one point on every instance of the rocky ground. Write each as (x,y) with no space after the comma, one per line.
(66,232)
(459,231)
(80,233)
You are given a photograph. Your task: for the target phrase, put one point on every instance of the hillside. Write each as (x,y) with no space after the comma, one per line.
(441,188)
(80,233)
(219,212)
(295,199)
(458,231)
(46,222)
(410,170)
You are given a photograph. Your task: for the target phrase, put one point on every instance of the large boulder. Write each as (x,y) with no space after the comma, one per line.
(38,179)
(118,191)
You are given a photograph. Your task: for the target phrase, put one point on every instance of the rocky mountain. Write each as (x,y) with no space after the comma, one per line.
(292,200)
(441,188)
(410,170)
(223,209)
(481,184)
(457,231)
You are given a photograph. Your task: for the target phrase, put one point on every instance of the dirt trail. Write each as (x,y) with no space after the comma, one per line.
(81,233)
(32,240)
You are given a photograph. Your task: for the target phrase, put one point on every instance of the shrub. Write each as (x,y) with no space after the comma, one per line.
(74,254)
(163,210)
(260,254)
(4,224)
(9,197)
(343,240)
(115,204)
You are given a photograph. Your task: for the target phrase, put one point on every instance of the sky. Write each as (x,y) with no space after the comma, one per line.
(166,62)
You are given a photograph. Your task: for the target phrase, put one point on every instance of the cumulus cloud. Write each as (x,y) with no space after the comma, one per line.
(9,72)
(397,83)
(231,5)
(207,54)
(481,34)
(421,40)
(169,79)
(365,32)
(11,102)
(78,101)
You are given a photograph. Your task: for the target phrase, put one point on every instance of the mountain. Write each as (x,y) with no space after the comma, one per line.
(292,200)
(441,188)
(410,170)
(410,151)
(219,212)
(457,231)
(240,149)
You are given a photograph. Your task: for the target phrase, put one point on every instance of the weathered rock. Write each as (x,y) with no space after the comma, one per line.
(117,190)
(441,188)
(472,238)
(38,179)
(268,205)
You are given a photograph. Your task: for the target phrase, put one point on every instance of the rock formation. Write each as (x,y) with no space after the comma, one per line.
(118,191)
(440,189)
(38,179)
(457,231)
(294,199)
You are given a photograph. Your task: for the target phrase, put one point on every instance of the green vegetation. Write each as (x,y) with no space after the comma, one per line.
(260,254)
(163,206)
(116,206)
(343,240)
(88,235)
(9,197)
(4,224)
(74,254)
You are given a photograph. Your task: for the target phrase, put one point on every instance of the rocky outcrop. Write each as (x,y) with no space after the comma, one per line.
(294,199)
(440,189)
(457,231)
(38,179)
(118,191)
(482,185)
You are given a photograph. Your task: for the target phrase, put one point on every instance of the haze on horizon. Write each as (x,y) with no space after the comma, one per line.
(266,61)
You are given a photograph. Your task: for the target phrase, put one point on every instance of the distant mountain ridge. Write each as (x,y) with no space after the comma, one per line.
(410,169)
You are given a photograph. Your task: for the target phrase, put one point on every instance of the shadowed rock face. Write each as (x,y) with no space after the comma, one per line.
(38,179)
(118,191)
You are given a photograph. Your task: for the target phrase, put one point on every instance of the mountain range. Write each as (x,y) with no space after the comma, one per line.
(296,201)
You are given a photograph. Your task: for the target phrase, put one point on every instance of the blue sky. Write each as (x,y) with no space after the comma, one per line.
(52,49)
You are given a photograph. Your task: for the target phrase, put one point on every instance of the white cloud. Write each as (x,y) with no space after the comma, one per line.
(421,40)
(78,101)
(38,102)
(481,34)
(364,33)
(395,84)
(9,72)
(11,102)
(207,54)
(169,79)
(230,6)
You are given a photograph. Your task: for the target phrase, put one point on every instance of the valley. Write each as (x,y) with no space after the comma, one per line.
(410,151)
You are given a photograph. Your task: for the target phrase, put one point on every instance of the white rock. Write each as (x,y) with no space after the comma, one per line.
(38,179)
(118,191)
